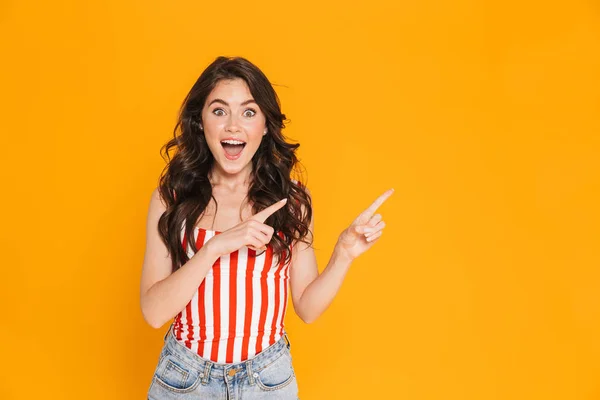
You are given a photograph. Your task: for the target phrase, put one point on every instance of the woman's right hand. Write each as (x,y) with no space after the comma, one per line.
(253,233)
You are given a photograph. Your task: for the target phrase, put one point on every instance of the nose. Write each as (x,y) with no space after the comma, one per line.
(232,124)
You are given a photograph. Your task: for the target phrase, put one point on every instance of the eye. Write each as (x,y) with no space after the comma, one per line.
(252,110)
(218,109)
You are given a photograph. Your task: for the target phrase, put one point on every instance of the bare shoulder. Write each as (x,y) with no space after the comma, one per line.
(156,201)
(299,245)
(305,188)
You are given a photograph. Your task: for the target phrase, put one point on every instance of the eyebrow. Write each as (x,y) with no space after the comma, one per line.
(225,103)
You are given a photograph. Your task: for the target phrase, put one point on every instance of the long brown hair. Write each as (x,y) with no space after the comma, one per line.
(184,185)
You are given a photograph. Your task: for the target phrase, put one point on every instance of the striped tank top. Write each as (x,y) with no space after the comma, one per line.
(239,308)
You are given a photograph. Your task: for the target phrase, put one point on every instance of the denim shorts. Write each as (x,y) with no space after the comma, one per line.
(183,374)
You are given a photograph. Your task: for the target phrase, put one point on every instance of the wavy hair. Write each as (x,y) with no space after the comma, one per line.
(184,186)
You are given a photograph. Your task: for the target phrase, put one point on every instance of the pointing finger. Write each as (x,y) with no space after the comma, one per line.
(377,203)
(262,215)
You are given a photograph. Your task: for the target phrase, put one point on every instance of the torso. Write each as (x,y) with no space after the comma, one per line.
(240,306)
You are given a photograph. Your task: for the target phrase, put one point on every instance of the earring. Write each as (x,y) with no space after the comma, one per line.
(201,128)
(265,132)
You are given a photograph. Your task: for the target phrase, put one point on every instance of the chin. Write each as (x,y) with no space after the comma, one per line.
(233,167)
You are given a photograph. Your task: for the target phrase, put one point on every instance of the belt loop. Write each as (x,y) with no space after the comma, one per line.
(168,331)
(287,340)
(250,373)
(207,367)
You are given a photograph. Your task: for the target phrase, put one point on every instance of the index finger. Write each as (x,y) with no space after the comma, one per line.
(262,215)
(369,212)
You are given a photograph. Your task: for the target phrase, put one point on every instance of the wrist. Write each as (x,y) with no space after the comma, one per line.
(339,253)
(209,250)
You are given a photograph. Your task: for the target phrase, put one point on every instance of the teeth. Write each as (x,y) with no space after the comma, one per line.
(232,142)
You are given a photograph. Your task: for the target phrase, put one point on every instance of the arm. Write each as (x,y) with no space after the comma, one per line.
(164,294)
(313,293)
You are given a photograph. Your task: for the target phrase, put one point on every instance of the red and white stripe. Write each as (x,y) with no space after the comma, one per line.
(239,308)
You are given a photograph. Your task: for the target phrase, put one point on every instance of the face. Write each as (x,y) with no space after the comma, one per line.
(231,116)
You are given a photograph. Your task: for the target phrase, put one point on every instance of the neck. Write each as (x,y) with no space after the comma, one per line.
(220,177)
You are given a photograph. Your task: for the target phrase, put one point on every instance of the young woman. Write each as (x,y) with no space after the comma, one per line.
(228,229)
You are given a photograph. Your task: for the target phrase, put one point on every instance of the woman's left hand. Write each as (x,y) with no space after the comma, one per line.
(364,230)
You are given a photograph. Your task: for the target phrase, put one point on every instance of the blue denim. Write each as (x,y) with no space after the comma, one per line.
(184,375)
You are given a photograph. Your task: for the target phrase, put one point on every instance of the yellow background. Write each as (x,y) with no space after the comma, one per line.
(484,116)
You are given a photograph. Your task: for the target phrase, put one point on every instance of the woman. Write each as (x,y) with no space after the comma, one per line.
(227,229)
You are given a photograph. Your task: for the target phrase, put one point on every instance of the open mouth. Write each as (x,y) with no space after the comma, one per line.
(233,148)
